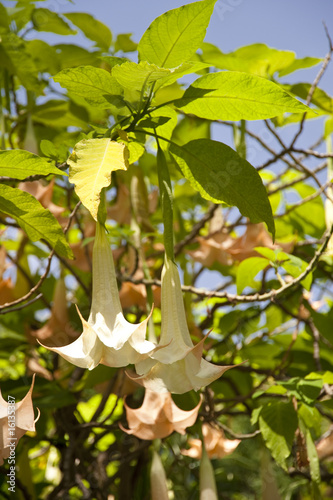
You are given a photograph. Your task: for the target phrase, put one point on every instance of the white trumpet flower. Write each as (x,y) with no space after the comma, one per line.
(178,367)
(107,337)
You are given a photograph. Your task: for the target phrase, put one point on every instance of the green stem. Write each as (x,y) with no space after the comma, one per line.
(166,201)
(329,160)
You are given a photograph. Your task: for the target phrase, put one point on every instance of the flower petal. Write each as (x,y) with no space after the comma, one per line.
(174,329)
(106,316)
(158,417)
(85,352)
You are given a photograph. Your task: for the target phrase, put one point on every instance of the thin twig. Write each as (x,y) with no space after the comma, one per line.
(232,298)
(41,280)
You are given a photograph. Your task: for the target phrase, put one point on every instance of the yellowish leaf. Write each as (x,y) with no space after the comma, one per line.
(90,167)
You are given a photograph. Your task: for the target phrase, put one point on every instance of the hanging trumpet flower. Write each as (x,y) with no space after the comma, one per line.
(107,337)
(178,367)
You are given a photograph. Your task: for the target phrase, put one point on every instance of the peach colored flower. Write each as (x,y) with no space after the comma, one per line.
(221,248)
(217,446)
(57,330)
(158,417)
(43,193)
(15,420)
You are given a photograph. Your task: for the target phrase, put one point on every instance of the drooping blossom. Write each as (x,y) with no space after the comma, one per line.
(216,445)
(178,367)
(107,337)
(224,249)
(15,420)
(57,330)
(158,417)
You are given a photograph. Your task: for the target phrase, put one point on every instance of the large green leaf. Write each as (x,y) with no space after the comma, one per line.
(95,85)
(36,221)
(221,175)
(278,423)
(19,164)
(91,165)
(92,28)
(173,37)
(257,58)
(237,96)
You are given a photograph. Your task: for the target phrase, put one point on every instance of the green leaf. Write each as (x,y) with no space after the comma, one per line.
(305,62)
(48,149)
(20,164)
(95,85)
(70,56)
(236,96)
(92,28)
(278,423)
(35,220)
(135,76)
(44,56)
(328,128)
(295,266)
(222,176)
(113,60)
(308,218)
(135,144)
(4,18)
(257,58)
(17,60)
(173,37)
(313,457)
(310,416)
(46,20)
(124,43)
(248,270)
(162,121)
(191,128)
(91,165)
(324,323)
(304,390)
(55,113)
(290,263)
(319,98)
